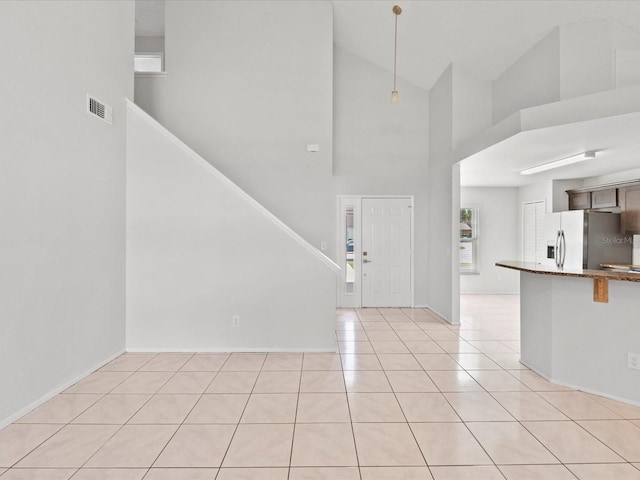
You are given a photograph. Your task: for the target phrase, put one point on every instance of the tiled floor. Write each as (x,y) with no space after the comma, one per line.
(408,397)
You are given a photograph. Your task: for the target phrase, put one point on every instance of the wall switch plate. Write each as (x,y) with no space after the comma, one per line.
(633,360)
(235,321)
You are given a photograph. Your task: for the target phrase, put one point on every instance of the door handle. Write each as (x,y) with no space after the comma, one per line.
(367,261)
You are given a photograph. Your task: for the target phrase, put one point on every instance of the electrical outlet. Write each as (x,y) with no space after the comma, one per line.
(235,321)
(633,360)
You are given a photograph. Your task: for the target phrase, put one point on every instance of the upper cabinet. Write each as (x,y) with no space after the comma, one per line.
(630,204)
(604,198)
(625,195)
(579,200)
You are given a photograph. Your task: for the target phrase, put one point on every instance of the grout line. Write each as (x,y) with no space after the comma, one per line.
(346,398)
(295,417)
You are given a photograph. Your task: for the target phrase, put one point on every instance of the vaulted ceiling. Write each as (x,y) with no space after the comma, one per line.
(483,37)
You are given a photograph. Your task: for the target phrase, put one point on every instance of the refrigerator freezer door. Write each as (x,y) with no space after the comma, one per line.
(551,227)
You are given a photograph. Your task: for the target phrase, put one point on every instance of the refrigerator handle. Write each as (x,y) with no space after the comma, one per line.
(556,254)
(563,247)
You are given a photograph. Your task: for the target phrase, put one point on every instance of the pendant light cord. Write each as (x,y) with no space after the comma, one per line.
(395,52)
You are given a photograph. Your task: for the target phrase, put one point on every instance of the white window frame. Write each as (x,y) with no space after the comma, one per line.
(474,241)
(159,55)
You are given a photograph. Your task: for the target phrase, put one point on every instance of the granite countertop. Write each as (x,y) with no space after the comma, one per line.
(530,267)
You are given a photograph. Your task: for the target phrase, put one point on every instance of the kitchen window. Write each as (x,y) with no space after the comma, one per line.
(469,234)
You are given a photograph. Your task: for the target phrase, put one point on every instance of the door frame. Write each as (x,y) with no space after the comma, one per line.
(346,300)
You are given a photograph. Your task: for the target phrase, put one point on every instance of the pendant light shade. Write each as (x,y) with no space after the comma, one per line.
(395,96)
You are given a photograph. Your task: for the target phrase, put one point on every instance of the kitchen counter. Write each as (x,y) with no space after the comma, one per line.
(626,276)
(577,327)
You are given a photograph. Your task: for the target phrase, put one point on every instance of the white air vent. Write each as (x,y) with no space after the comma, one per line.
(99,109)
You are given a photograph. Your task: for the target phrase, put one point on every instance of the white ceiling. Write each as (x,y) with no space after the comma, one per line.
(484,37)
(615,140)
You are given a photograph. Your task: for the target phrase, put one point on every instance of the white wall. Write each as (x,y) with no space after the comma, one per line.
(498,240)
(380,148)
(533,79)
(149,44)
(249,86)
(440,186)
(460,107)
(586,55)
(62,194)
(200,251)
(572,61)
(560,199)
(472,106)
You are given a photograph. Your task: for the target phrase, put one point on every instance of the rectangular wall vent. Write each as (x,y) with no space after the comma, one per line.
(99,109)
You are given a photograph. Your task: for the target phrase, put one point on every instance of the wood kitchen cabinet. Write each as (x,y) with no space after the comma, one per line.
(629,198)
(604,198)
(579,200)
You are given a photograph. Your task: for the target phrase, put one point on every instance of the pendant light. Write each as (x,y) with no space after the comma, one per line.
(395,97)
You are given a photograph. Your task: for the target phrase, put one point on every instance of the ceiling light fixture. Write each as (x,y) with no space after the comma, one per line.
(581,157)
(395,97)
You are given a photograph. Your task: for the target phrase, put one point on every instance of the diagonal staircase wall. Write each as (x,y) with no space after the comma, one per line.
(200,252)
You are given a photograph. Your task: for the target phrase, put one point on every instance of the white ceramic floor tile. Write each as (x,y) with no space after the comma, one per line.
(324,473)
(323,445)
(536,472)
(134,446)
(111,474)
(61,408)
(449,444)
(386,444)
(181,474)
(18,440)
(253,473)
(509,443)
(621,436)
(388,473)
(265,445)
(570,443)
(70,447)
(196,446)
(475,472)
(38,474)
(622,471)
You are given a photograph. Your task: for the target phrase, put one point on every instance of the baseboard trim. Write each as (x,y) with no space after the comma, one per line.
(56,390)
(580,388)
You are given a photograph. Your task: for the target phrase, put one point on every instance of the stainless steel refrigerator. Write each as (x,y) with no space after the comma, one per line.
(585,239)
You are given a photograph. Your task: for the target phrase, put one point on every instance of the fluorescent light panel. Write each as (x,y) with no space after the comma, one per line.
(581,157)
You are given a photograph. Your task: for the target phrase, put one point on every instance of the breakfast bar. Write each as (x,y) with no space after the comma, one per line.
(578,327)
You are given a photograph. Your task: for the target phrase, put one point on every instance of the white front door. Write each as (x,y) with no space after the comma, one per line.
(386,252)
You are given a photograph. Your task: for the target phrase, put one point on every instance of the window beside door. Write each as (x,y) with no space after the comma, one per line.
(349,268)
(469,239)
